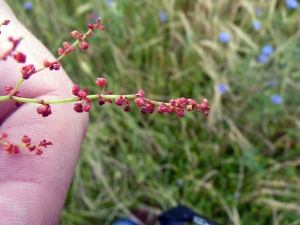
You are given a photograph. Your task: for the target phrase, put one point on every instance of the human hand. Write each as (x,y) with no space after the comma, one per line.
(33,188)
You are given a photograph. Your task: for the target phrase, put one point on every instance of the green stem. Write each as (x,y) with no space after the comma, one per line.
(65,100)
(18,85)
(74,99)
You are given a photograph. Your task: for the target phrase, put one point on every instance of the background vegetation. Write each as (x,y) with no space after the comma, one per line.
(240,165)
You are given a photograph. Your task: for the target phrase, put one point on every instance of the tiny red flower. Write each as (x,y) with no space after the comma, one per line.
(87,107)
(46,63)
(5,22)
(83,45)
(119,101)
(180,113)
(170,109)
(189,108)
(75,89)
(81,94)
(127,108)
(8,89)
(3,135)
(19,57)
(45,143)
(91,26)
(140,93)
(8,147)
(101,101)
(75,34)
(161,109)
(139,101)
(16,149)
(44,110)
(26,140)
(66,45)
(27,71)
(78,107)
(101,82)
(143,109)
(102,27)
(61,51)
(38,151)
(205,101)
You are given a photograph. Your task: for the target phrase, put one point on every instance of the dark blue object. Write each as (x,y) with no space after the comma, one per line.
(124,222)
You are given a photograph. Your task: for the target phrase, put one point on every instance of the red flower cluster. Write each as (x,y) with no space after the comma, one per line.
(9,91)
(85,105)
(177,105)
(83,44)
(44,110)
(14,148)
(18,56)
(27,71)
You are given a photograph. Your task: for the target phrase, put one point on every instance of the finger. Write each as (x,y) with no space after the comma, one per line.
(33,188)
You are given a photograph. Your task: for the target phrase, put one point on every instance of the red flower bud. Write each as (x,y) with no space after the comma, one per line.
(83,45)
(44,110)
(46,63)
(101,82)
(87,107)
(205,101)
(26,140)
(61,51)
(5,22)
(3,135)
(8,147)
(170,109)
(102,27)
(78,107)
(81,94)
(38,151)
(189,108)
(127,108)
(19,57)
(91,26)
(66,45)
(140,93)
(27,71)
(8,89)
(101,101)
(180,113)
(119,101)
(75,89)
(161,109)
(139,101)
(75,34)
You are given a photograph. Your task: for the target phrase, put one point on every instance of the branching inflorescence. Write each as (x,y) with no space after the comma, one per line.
(81,97)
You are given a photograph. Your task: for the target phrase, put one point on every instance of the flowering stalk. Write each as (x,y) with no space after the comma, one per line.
(81,97)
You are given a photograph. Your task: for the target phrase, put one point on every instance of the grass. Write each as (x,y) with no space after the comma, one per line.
(240,165)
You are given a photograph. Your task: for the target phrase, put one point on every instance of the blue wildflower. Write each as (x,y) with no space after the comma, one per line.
(258,11)
(222,88)
(124,222)
(28,6)
(276,99)
(162,16)
(272,83)
(267,50)
(292,4)
(109,2)
(256,25)
(224,37)
(263,58)
(96,16)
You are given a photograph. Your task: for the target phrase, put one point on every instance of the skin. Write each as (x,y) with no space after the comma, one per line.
(33,188)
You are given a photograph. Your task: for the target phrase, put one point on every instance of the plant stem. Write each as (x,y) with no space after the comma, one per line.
(74,99)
